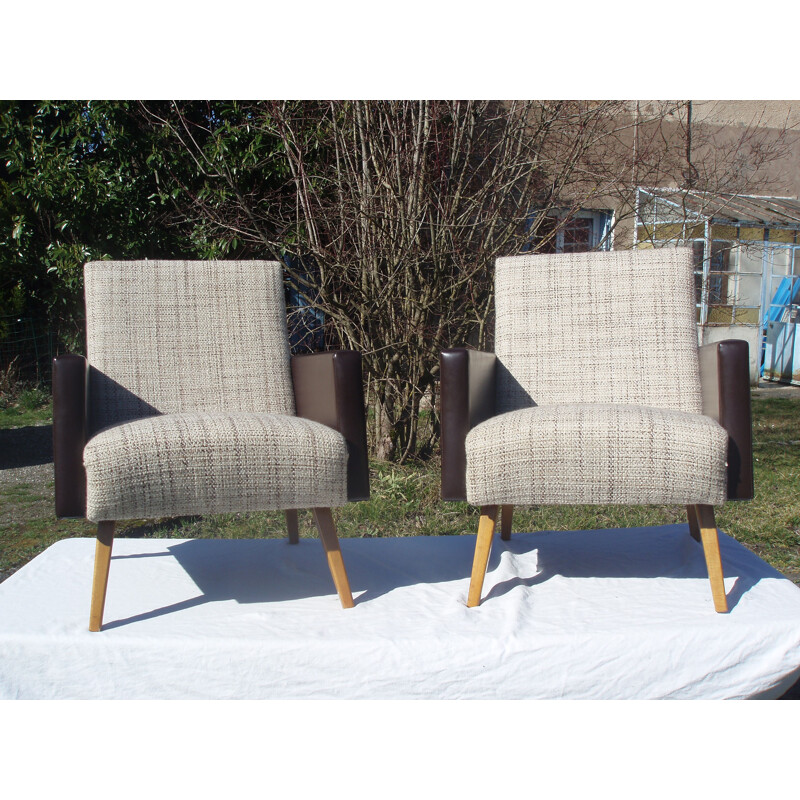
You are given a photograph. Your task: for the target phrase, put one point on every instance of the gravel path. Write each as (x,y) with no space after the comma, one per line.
(36,473)
(770,389)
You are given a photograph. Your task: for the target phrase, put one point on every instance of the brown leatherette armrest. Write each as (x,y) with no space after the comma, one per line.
(467,389)
(725,381)
(69,434)
(328,388)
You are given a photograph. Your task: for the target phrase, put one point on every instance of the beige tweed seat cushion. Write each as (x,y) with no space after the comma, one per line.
(597,453)
(213,462)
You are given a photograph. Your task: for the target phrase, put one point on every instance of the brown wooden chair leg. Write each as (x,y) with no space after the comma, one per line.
(482,547)
(694,525)
(506,516)
(710,539)
(292,525)
(102,561)
(330,541)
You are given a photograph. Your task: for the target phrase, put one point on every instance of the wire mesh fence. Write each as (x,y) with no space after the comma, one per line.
(27,347)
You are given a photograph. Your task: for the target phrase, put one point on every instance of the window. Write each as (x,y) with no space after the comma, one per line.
(734,281)
(579,232)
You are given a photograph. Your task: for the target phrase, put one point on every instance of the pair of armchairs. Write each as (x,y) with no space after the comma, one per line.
(189,403)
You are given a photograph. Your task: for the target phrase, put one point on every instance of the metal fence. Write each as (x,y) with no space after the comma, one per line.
(27,347)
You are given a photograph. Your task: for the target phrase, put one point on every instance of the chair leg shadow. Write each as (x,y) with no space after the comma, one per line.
(157,612)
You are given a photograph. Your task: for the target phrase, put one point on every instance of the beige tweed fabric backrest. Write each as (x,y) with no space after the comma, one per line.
(602,327)
(178,336)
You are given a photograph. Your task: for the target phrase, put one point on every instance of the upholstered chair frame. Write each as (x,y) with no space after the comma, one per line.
(469,397)
(326,388)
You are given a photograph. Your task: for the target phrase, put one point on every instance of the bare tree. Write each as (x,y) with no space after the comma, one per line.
(406,218)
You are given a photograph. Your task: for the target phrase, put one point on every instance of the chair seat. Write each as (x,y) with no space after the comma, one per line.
(212,463)
(597,454)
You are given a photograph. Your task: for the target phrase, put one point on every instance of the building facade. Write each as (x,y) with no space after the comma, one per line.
(743,225)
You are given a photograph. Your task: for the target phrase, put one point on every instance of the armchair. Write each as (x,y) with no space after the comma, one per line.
(597,393)
(189,403)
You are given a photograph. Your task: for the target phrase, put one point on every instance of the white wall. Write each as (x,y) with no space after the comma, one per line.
(751,334)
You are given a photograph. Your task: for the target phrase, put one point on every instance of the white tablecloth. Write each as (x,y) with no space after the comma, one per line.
(586,614)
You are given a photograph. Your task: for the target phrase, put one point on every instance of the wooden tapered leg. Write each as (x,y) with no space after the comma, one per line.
(710,539)
(330,541)
(102,561)
(694,525)
(506,515)
(292,525)
(482,547)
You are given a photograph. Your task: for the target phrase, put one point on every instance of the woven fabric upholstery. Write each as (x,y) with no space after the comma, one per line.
(211,463)
(615,327)
(596,453)
(180,336)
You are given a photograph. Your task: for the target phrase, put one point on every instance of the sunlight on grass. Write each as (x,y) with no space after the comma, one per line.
(18,415)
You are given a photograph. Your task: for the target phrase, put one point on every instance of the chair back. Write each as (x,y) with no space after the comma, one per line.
(599,327)
(170,336)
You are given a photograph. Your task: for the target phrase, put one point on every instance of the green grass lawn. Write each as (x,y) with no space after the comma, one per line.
(33,410)
(405,502)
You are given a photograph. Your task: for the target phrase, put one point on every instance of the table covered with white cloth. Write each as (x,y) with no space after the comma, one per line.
(583,614)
